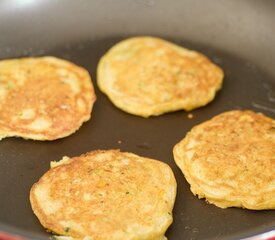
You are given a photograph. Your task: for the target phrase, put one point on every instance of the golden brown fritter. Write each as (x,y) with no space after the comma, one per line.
(43,98)
(106,195)
(230,160)
(149,76)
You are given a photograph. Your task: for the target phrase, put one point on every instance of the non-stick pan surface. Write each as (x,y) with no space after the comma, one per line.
(237,35)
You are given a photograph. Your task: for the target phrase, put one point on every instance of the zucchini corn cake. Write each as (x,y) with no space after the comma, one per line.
(149,76)
(43,98)
(106,195)
(230,160)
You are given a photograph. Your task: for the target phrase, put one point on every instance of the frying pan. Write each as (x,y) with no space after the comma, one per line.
(237,35)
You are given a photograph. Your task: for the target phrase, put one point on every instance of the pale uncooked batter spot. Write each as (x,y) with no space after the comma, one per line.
(39,124)
(27,113)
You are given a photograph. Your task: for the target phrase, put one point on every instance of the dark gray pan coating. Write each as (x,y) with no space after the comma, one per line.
(237,35)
